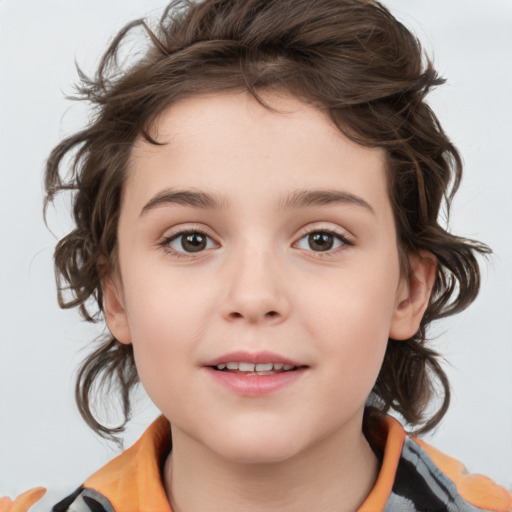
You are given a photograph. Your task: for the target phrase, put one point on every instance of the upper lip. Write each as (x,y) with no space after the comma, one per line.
(252,357)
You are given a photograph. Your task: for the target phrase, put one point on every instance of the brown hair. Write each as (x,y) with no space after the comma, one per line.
(350,58)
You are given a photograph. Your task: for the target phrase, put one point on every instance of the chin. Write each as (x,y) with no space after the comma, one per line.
(260,448)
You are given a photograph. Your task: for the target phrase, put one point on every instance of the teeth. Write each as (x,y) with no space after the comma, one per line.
(263,367)
(251,367)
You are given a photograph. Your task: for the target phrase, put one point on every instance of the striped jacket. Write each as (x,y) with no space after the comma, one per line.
(414,477)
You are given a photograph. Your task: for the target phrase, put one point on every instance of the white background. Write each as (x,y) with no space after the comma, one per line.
(42,438)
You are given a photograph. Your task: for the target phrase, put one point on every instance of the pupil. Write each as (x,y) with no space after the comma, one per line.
(193,242)
(321,241)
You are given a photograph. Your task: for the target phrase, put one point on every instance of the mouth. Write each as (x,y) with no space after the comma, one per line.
(255,374)
(245,368)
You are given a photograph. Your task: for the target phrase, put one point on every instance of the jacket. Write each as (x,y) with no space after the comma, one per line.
(414,477)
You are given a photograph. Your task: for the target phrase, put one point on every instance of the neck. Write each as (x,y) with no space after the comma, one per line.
(336,475)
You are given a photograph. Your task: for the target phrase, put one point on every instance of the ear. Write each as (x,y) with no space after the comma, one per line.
(115,314)
(413,295)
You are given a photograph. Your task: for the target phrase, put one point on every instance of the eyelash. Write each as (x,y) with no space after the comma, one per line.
(165,243)
(341,237)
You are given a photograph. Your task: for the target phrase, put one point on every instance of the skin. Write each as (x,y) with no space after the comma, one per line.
(259,284)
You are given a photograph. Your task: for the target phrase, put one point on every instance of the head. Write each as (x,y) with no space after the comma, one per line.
(347,62)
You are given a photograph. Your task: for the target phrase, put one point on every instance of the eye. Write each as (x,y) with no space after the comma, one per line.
(189,242)
(322,241)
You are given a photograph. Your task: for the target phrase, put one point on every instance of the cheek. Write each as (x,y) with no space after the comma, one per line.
(162,306)
(165,326)
(355,303)
(353,318)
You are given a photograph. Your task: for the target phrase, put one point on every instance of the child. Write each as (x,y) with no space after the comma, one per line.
(256,216)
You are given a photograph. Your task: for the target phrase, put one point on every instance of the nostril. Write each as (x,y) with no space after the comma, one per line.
(268,314)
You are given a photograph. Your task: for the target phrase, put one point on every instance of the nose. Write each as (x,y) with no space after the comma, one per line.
(256,288)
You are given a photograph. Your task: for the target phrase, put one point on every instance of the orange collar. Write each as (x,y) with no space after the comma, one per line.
(392,439)
(132,481)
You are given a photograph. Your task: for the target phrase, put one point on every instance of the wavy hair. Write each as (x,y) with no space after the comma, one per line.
(349,58)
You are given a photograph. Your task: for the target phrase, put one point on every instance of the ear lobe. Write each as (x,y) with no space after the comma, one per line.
(115,314)
(413,295)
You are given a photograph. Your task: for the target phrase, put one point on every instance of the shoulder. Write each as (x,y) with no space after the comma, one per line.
(415,477)
(131,481)
(432,480)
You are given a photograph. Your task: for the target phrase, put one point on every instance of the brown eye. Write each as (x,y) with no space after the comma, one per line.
(322,241)
(190,241)
(193,242)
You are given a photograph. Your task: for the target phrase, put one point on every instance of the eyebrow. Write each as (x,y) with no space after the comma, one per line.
(194,198)
(301,198)
(320,197)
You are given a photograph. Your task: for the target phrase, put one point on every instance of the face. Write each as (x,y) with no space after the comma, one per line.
(258,275)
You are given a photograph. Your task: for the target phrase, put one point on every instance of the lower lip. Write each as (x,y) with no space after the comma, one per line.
(255,385)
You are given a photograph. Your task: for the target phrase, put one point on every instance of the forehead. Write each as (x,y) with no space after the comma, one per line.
(230,143)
